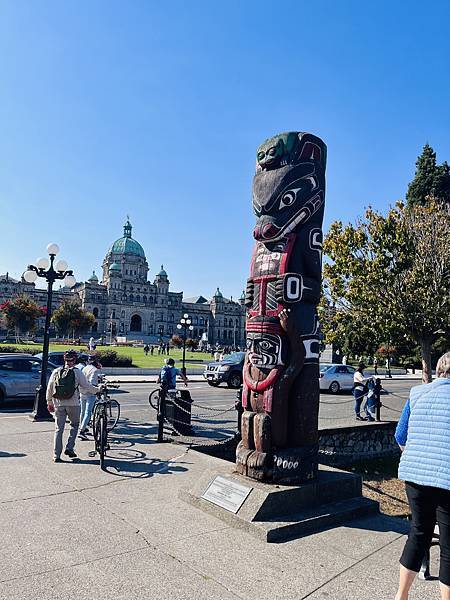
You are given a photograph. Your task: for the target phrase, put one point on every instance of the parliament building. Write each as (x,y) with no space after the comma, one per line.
(126,304)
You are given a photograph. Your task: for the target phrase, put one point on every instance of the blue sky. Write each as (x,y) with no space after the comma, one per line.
(155,109)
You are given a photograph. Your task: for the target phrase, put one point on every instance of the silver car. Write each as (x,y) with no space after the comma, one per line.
(20,375)
(336,377)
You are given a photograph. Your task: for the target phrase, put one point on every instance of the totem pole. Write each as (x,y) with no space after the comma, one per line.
(281,371)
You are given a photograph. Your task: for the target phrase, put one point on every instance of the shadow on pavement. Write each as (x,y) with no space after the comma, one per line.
(10,454)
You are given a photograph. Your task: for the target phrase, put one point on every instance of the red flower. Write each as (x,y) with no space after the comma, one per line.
(4,305)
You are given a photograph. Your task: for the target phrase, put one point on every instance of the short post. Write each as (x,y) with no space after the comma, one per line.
(161,414)
(378,398)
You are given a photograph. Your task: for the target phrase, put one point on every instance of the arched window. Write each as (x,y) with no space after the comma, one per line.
(136,323)
(131,297)
(196,319)
(144,299)
(150,300)
(95,312)
(224,335)
(138,298)
(202,321)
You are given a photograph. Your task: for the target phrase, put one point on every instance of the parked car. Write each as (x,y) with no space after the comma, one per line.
(228,370)
(336,377)
(57,357)
(20,375)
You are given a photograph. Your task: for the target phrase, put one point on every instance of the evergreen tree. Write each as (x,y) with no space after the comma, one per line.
(431,181)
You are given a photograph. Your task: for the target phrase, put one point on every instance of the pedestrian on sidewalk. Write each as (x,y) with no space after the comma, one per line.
(359,390)
(63,398)
(92,372)
(423,434)
(146,349)
(375,365)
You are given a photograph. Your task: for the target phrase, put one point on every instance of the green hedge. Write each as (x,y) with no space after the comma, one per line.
(110,358)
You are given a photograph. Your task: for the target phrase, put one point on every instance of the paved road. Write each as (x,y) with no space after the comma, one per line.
(213,414)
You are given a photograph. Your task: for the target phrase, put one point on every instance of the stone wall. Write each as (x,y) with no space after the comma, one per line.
(345,444)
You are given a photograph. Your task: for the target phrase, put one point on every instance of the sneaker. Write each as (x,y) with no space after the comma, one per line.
(82,436)
(360,418)
(57,459)
(370,418)
(70,453)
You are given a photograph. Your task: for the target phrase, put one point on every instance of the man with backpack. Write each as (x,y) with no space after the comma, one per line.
(63,398)
(168,376)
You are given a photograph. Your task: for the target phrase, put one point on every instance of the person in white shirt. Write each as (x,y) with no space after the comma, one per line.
(92,371)
(359,389)
(63,399)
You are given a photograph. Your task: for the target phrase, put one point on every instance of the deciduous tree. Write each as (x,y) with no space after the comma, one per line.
(70,317)
(389,277)
(21,314)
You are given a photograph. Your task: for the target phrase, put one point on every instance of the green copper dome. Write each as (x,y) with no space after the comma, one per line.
(218,294)
(93,278)
(115,267)
(126,244)
(162,273)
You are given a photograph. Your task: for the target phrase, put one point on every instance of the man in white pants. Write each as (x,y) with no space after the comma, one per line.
(63,398)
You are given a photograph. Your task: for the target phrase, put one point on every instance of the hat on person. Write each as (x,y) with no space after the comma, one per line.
(70,355)
(362,365)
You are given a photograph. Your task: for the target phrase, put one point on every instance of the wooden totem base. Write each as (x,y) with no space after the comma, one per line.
(276,513)
(287,465)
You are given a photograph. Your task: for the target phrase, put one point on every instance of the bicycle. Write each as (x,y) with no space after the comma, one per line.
(105,416)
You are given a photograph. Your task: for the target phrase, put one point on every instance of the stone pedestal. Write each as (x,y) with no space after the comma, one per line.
(275,513)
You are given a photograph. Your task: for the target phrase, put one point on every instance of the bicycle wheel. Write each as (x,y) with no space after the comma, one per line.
(95,419)
(153,400)
(103,439)
(113,412)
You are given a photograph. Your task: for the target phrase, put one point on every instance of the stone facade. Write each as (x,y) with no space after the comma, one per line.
(126,303)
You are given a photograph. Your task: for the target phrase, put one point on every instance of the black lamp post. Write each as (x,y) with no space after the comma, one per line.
(45,269)
(185,325)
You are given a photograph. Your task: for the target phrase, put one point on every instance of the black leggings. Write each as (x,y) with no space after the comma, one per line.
(428,505)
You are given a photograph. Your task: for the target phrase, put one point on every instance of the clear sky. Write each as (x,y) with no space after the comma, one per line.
(155,109)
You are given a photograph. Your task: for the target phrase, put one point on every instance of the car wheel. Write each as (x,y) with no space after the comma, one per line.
(213,383)
(2,397)
(334,387)
(235,380)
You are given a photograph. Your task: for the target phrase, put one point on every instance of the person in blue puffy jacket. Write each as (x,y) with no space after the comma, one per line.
(423,434)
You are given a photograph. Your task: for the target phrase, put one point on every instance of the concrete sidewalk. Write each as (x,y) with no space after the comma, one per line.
(70,531)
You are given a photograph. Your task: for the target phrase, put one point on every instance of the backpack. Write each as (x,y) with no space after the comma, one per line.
(166,377)
(65,384)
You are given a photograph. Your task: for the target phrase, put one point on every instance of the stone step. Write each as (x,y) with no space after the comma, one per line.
(319,519)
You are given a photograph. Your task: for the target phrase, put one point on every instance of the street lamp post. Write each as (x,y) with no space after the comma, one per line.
(45,269)
(185,325)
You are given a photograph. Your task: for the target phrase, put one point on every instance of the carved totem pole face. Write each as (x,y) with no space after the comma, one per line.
(289,185)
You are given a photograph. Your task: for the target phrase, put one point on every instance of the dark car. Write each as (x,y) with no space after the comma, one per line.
(57,358)
(228,370)
(20,374)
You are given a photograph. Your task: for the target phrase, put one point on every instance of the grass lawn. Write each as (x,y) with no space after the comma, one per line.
(136,354)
